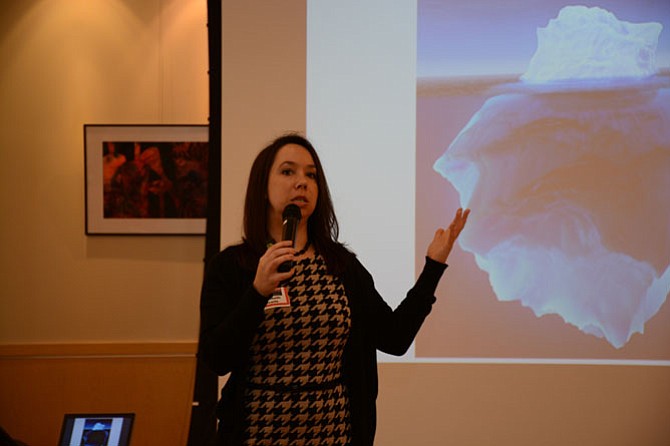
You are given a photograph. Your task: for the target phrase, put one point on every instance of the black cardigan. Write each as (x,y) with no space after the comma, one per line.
(231,310)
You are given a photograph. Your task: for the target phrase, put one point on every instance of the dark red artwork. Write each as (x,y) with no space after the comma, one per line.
(154,179)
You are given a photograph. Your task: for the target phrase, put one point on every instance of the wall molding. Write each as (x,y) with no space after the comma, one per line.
(99,350)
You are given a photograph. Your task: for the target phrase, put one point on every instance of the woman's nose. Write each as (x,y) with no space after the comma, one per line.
(301,181)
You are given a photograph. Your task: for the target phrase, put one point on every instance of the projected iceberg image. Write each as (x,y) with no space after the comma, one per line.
(568,176)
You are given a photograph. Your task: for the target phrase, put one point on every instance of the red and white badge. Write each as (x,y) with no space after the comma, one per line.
(279,299)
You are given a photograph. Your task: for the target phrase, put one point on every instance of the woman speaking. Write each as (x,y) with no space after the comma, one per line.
(297,322)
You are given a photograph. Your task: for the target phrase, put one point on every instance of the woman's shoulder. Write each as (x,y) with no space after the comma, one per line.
(235,248)
(230,250)
(344,250)
(348,258)
(240,254)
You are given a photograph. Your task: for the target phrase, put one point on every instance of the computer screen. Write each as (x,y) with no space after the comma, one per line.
(96,429)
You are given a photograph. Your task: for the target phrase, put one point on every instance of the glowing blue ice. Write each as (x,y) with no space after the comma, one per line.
(570,188)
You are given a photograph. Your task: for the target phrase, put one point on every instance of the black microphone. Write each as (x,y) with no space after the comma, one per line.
(291,217)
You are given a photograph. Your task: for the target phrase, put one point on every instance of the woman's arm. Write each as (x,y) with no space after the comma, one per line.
(230,311)
(394,331)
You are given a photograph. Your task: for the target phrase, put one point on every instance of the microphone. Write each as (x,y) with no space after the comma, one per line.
(291,217)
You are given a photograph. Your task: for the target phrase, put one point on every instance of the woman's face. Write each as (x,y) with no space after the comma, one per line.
(292,179)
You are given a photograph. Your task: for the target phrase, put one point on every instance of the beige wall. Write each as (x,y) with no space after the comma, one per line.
(131,301)
(67,63)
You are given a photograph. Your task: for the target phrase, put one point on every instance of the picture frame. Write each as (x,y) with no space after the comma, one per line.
(146,179)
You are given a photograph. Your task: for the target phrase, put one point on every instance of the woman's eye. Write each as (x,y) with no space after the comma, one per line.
(286,172)
(312,175)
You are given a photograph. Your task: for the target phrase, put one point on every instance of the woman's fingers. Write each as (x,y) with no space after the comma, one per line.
(444,239)
(458,223)
(268,277)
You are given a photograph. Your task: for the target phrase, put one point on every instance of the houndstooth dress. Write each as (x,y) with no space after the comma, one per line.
(294,394)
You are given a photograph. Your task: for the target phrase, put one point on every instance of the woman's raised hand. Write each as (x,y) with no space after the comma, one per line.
(444,239)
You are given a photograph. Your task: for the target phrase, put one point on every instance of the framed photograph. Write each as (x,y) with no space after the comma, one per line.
(146,179)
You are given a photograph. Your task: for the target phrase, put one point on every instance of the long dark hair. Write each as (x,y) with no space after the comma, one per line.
(322,227)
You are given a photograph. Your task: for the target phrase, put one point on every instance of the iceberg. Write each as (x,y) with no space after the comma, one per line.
(591,43)
(570,192)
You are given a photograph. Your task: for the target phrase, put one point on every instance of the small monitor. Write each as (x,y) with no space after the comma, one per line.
(94,429)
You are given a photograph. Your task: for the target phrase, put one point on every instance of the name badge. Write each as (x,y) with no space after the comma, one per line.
(279,299)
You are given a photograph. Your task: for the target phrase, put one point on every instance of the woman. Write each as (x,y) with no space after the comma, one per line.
(300,346)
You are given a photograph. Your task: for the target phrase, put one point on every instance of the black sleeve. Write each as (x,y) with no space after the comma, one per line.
(393,331)
(230,311)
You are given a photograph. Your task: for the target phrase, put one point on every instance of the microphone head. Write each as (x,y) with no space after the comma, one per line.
(291,211)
